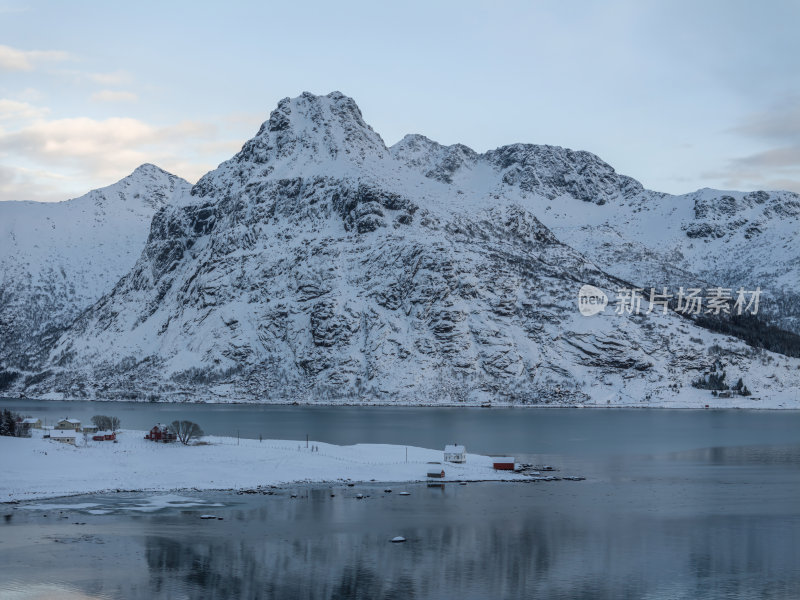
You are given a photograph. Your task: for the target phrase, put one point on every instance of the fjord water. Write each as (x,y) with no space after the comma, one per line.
(557,431)
(677,504)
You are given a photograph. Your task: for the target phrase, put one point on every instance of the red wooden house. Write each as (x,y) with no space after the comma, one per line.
(105,436)
(161,433)
(503,463)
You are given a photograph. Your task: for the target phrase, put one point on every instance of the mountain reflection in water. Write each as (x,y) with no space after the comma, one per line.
(676,505)
(482,541)
(635,538)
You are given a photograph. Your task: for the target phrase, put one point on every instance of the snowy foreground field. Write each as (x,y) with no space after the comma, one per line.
(42,468)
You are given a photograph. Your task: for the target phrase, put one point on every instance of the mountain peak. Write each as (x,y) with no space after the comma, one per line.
(149,170)
(307,107)
(330,124)
(302,134)
(147,184)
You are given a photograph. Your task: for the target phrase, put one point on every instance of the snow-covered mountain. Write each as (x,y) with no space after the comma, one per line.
(318,264)
(733,239)
(57,259)
(709,237)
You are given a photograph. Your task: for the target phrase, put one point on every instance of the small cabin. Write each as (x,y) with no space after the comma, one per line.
(161,433)
(503,463)
(68,424)
(105,436)
(30,423)
(435,470)
(65,437)
(89,429)
(455,453)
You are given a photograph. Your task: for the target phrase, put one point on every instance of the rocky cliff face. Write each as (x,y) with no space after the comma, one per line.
(57,259)
(318,264)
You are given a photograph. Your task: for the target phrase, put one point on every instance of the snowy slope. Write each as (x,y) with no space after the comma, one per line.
(318,264)
(56,259)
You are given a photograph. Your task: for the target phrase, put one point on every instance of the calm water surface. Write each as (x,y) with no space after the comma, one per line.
(677,504)
(568,431)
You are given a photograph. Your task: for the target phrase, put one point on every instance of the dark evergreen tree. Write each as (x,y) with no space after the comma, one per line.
(8,423)
(7,378)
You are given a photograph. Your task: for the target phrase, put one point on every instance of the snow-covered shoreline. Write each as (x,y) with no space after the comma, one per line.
(41,468)
(694,400)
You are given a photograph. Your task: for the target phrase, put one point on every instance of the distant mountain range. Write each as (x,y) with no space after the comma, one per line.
(318,264)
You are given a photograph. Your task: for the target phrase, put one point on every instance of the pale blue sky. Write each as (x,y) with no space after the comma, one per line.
(679,95)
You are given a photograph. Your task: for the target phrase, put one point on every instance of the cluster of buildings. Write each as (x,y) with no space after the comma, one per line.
(65,430)
(456,453)
(161,433)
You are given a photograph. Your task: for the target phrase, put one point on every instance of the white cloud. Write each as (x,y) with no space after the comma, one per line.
(775,158)
(6,9)
(90,153)
(113,78)
(17,183)
(114,96)
(29,95)
(778,166)
(13,59)
(103,147)
(106,79)
(13,109)
(780,122)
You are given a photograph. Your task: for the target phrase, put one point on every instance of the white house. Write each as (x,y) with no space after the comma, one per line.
(455,454)
(65,437)
(65,424)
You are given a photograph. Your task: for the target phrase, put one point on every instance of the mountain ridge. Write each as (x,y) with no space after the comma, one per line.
(315,263)
(319,264)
